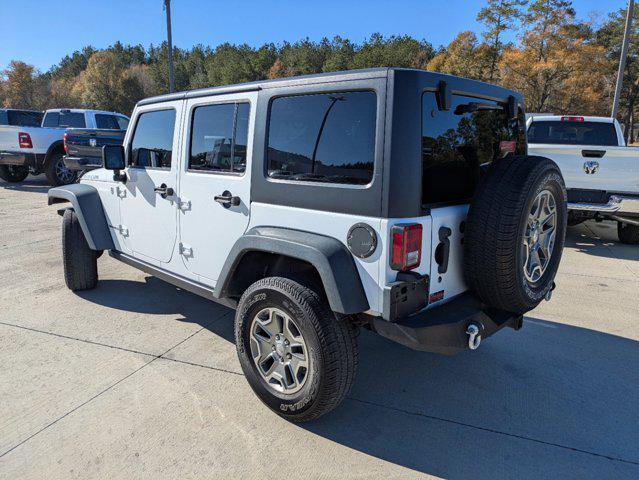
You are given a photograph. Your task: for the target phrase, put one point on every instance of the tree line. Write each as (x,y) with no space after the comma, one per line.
(537,47)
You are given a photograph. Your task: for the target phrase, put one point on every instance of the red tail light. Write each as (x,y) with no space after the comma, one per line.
(507,146)
(24,139)
(406,246)
(64,140)
(572,119)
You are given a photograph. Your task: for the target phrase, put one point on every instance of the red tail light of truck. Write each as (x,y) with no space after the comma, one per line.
(24,140)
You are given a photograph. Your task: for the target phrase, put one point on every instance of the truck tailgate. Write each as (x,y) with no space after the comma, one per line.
(85,142)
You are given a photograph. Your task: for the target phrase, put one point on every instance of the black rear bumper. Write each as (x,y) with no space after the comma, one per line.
(82,163)
(443,329)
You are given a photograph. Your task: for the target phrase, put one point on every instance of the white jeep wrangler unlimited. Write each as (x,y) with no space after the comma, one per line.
(396,200)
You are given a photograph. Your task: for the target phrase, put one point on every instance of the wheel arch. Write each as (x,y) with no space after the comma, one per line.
(87,205)
(268,251)
(57,146)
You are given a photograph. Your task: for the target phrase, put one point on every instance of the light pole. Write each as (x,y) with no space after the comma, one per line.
(622,60)
(167,7)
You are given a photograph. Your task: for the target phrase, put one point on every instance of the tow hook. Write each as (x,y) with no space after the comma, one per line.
(549,292)
(474,336)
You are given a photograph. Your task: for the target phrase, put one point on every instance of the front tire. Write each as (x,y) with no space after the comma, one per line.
(298,356)
(628,233)
(79,261)
(13,173)
(57,172)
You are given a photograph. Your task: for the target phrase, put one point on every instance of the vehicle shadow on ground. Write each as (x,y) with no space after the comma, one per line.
(600,239)
(30,184)
(550,401)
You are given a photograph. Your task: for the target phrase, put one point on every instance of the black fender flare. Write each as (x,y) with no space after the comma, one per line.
(330,257)
(58,144)
(86,203)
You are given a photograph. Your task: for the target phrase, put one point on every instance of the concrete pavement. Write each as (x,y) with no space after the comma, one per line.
(138,379)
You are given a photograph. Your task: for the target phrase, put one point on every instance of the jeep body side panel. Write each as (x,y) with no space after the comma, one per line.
(87,205)
(329,256)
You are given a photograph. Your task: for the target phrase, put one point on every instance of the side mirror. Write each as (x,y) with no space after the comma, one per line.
(113,159)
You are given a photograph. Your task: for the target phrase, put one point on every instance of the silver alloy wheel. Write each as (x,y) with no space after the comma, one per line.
(279,350)
(62,172)
(539,239)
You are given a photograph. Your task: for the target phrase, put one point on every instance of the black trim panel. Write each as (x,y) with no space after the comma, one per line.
(329,256)
(86,202)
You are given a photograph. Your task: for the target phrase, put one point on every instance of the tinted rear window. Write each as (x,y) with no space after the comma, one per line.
(323,138)
(572,133)
(64,120)
(459,144)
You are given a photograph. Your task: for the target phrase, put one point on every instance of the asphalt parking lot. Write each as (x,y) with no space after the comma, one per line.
(137,379)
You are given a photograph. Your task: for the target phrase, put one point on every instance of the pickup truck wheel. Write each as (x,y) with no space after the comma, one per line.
(298,356)
(515,233)
(13,173)
(628,233)
(57,172)
(79,261)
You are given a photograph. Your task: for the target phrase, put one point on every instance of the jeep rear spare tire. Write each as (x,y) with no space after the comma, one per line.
(298,356)
(515,233)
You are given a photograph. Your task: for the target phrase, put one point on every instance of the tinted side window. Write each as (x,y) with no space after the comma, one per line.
(459,144)
(4,118)
(123,123)
(152,143)
(107,122)
(24,119)
(219,137)
(573,133)
(72,120)
(51,119)
(323,137)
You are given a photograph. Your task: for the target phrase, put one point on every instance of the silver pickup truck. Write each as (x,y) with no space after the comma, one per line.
(600,171)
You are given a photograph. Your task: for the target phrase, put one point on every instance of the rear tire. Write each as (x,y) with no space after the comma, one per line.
(628,233)
(57,172)
(13,173)
(79,261)
(325,343)
(513,243)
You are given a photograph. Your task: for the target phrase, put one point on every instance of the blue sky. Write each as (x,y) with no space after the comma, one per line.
(42,32)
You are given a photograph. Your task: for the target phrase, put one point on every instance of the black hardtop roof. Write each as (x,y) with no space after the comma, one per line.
(319,78)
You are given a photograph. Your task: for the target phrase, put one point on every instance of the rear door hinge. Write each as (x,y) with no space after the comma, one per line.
(186,250)
(184,205)
(124,231)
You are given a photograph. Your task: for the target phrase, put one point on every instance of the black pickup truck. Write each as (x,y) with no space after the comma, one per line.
(83,146)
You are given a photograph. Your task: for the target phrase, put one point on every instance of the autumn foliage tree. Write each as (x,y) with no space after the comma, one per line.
(537,47)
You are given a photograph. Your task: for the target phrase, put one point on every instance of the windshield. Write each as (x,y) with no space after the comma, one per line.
(573,133)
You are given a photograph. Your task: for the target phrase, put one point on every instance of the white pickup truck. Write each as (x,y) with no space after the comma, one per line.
(600,171)
(40,149)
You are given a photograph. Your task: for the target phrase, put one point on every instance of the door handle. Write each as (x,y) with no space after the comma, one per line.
(593,153)
(164,191)
(227,199)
